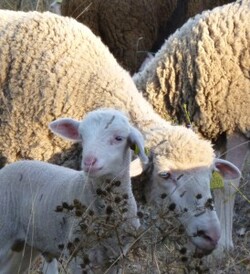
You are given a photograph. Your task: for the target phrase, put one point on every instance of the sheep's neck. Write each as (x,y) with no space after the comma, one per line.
(107,184)
(151,126)
(109,195)
(143,115)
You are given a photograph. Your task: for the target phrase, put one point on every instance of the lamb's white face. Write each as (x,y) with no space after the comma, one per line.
(107,137)
(105,144)
(187,192)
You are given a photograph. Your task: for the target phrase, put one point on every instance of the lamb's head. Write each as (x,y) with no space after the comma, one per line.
(107,137)
(180,180)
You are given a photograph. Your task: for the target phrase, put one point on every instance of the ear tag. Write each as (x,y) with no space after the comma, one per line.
(137,150)
(216,181)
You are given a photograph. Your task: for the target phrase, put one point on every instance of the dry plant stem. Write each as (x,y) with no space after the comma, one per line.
(240,192)
(129,248)
(79,15)
(156,261)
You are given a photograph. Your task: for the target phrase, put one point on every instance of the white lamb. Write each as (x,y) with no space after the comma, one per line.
(69,72)
(33,190)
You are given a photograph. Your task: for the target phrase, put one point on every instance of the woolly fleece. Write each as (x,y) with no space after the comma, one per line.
(51,67)
(204,65)
(132,28)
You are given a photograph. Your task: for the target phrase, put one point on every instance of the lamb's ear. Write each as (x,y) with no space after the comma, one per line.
(66,128)
(136,168)
(228,170)
(137,144)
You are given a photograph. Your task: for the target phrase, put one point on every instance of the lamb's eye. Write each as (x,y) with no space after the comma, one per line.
(118,138)
(164,174)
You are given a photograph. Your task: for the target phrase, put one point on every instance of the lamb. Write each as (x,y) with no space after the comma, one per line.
(201,74)
(35,189)
(68,71)
(131,29)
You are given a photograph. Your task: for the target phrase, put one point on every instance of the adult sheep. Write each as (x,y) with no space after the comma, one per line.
(130,28)
(201,74)
(68,72)
(35,189)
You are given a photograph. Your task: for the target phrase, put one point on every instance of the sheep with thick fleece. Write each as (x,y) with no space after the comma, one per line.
(33,191)
(52,66)
(201,74)
(131,28)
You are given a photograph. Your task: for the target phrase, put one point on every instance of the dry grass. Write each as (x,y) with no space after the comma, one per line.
(162,247)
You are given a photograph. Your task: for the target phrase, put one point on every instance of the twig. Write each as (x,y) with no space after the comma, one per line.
(121,255)
(240,192)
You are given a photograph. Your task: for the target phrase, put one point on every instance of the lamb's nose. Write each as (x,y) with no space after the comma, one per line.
(211,236)
(89,161)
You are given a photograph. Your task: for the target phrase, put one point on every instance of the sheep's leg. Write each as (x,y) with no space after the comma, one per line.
(97,256)
(9,263)
(50,267)
(237,148)
(27,258)
(16,262)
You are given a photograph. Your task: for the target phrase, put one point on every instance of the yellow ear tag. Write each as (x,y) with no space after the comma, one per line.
(137,150)
(216,181)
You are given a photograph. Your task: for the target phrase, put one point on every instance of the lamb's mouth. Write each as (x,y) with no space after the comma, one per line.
(92,170)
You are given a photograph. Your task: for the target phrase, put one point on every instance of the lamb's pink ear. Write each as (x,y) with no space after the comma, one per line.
(66,128)
(228,170)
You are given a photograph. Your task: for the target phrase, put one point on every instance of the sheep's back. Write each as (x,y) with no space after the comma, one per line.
(33,191)
(51,67)
(204,66)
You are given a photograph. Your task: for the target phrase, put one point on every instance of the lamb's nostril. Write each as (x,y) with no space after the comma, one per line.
(209,236)
(89,161)
(200,233)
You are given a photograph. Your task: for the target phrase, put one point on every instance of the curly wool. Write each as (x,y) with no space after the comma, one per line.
(120,26)
(182,149)
(131,28)
(204,65)
(52,67)
(46,63)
